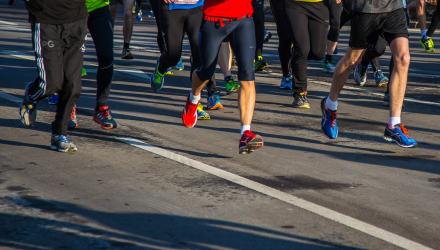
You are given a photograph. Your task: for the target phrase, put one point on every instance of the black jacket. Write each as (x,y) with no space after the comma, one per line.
(56,11)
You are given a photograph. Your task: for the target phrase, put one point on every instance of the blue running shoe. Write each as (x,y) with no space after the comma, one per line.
(62,143)
(286,82)
(329,124)
(399,134)
(380,79)
(214,102)
(180,65)
(53,99)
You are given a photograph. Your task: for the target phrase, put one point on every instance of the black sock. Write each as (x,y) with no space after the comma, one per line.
(126,45)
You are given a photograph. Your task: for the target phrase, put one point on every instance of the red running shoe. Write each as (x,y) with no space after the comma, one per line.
(73,122)
(104,118)
(249,142)
(189,115)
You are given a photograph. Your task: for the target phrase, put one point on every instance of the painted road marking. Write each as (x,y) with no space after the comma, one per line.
(282,196)
(266,190)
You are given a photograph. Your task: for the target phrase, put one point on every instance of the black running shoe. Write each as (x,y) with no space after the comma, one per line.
(28,110)
(126,54)
(300,100)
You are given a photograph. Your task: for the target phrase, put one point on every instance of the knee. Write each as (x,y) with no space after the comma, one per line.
(402,60)
(317,55)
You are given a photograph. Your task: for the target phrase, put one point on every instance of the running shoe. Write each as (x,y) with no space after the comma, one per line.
(380,79)
(231,85)
(73,121)
(83,72)
(126,54)
(202,114)
(214,102)
(249,142)
(28,110)
(300,99)
(360,75)
(261,65)
(189,114)
(286,82)
(104,118)
(157,80)
(329,123)
(139,16)
(427,44)
(329,67)
(180,65)
(62,143)
(53,99)
(399,134)
(169,72)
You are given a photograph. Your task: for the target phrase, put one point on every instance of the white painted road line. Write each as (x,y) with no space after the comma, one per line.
(10,98)
(282,196)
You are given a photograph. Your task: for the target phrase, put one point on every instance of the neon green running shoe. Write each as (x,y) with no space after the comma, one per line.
(157,80)
(231,85)
(427,44)
(83,72)
(260,65)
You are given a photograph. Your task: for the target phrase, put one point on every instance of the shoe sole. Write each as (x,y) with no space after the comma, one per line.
(68,150)
(102,126)
(304,106)
(251,147)
(25,117)
(390,139)
(215,107)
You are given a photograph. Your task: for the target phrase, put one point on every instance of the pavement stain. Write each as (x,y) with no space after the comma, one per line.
(17,189)
(297,182)
(436,181)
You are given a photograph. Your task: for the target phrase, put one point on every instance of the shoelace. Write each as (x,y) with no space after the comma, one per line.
(404,130)
(333,118)
(63,138)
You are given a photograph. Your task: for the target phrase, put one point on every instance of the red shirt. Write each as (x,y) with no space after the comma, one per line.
(228,8)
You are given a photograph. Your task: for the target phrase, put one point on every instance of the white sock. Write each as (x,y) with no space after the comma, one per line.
(393,121)
(244,128)
(194,98)
(332,105)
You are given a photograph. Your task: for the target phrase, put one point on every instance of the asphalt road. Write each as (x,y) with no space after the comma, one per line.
(178,188)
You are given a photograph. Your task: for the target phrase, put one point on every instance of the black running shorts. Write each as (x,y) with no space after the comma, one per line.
(367,27)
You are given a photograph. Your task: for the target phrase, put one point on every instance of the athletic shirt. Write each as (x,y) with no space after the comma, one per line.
(228,8)
(96,4)
(376,6)
(185,4)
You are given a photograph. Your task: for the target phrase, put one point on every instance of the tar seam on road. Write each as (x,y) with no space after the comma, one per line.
(282,196)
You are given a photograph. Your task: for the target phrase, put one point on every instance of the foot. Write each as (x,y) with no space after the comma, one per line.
(300,99)
(249,142)
(28,110)
(126,54)
(360,75)
(189,115)
(214,102)
(427,44)
(399,134)
(53,99)
(157,80)
(202,114)
(180,65)
(329,124)
(73,121)
(380,79)
(261,65)
(231,85)
(267,36)
(104,118)
(62,143)
(286,82)
(329,67)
